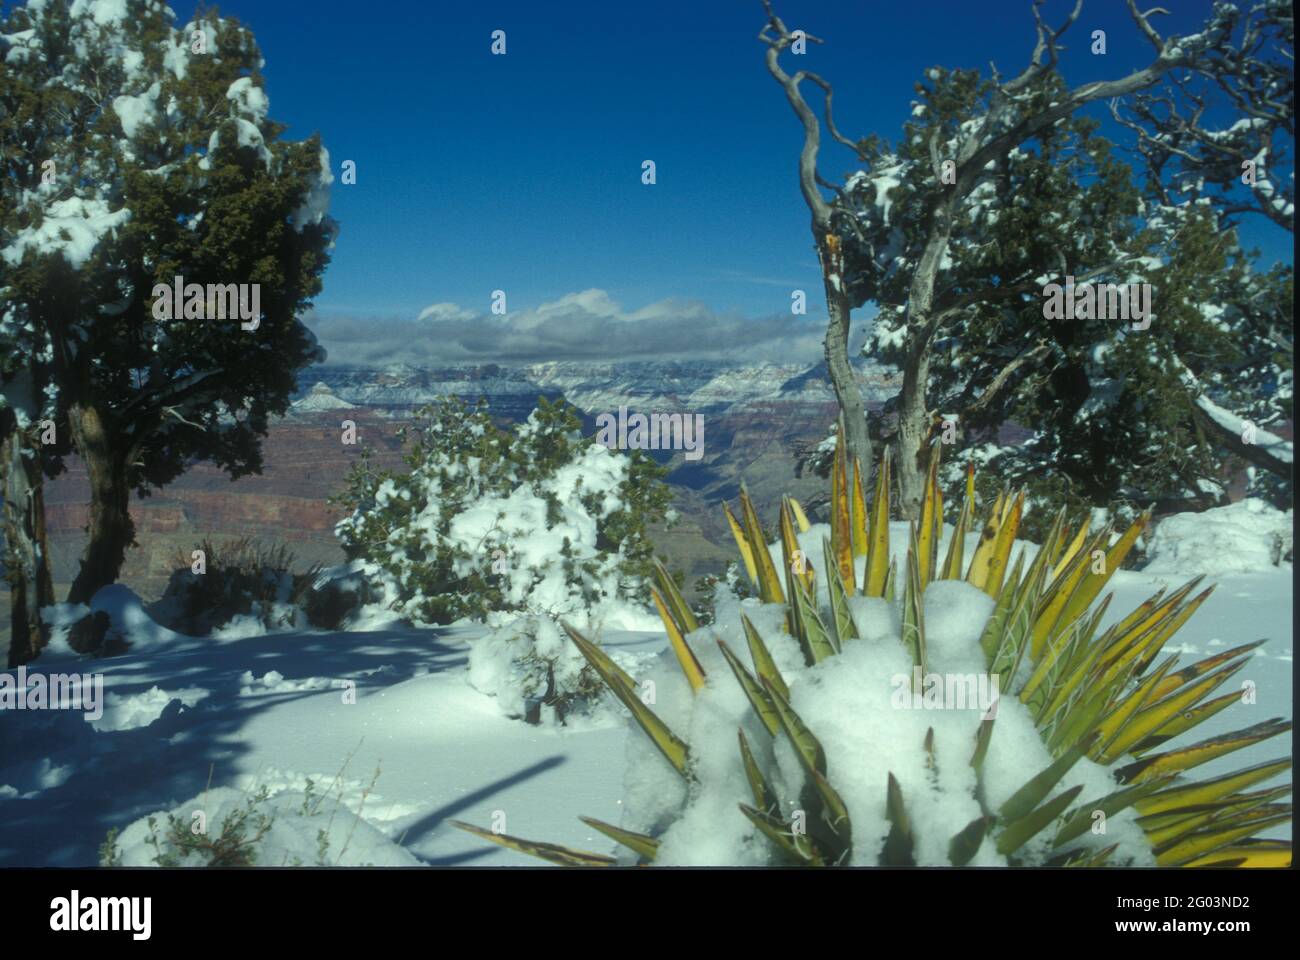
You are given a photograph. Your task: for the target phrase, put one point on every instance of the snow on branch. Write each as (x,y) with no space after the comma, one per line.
(1242,436)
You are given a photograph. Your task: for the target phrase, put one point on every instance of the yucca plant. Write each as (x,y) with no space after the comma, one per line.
(1074,766)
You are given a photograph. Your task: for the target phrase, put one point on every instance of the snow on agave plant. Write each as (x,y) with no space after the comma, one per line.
(841,768)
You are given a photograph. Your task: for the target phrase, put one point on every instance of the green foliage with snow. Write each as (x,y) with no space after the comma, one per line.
(536,518)
(1124,416)
(137,150)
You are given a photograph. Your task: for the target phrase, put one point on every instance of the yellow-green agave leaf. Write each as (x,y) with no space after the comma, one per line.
(1186,721)
(1201,667)
(898,847)
(1090,585)
(1021,803)
(1114,722)
(1081,820)
(926,535)
(796,844)
(669,744)
(861,518)
(1247,853)
(643,846)
(841,618)
(681,610)
(1206,841)
(1150,719)
(1015,835)
(1208,791)
(551,852)
(810,631)
(764,665)
(878,557)
(951,569)
(807,746)
(800,517)
(1162,829)
(978,573)
(797,566)
(758,697)
(685,656)
(742,544)
(995,630)
(769,583)
(1006,538)
(966,842)
(1071,550)
(1184,758)
(1049,619)
(914,611)
(765,798)
(841,519)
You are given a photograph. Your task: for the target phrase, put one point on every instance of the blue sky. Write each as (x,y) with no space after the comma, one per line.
(522,172)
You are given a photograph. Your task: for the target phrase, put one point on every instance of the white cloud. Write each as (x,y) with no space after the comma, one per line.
(444,311)
(587,325)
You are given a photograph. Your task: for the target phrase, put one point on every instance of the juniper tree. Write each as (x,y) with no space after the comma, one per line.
(917,230)
(1119,409)
(135,153)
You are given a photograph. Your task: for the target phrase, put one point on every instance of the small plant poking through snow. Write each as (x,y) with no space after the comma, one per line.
(224,827)
(818,723)
(235,845)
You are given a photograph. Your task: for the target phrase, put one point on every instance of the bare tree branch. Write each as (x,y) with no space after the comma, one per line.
(1144,24)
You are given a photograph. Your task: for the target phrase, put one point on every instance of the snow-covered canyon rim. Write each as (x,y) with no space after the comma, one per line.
(590,385)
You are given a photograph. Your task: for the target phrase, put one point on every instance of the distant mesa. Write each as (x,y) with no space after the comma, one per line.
(321,397)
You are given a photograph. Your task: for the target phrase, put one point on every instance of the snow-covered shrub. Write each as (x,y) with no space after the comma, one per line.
(533,670)
(491,523)
(904,714)
(241,587)
(518,528)
(224,827)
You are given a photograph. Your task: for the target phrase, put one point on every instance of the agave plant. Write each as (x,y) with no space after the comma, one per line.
(1096,699)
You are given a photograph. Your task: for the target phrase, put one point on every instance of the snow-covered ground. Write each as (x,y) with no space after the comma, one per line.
(270,711)
(414,746)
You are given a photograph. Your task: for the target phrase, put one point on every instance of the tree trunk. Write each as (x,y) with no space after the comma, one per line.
(913,409)
(110,530)
(27,562)
(913,431)
(847,391)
